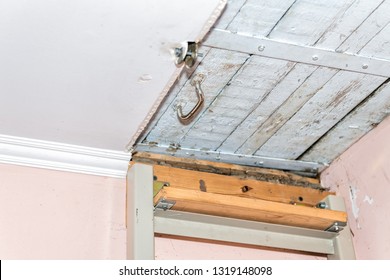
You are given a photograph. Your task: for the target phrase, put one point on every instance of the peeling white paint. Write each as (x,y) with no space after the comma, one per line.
(368,199)
(353,191)
(353,194)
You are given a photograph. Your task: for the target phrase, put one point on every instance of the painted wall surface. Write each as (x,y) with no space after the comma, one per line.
(187,249)
(362,176)
(47,214)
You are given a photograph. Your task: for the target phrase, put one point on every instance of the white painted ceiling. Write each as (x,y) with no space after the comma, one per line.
(297,81)
(88,72)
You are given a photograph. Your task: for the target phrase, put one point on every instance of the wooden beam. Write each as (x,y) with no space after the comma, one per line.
(250,209)
(256,173)
(238,187)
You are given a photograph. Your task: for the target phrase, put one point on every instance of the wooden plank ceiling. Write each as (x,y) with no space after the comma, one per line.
(258,105)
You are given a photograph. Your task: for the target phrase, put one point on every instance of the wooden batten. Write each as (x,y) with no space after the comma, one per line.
(250,209)
(256,173)
(193,187)
(237,186)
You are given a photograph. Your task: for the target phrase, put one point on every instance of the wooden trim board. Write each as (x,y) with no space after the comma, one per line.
(250,209)
(236,186)
(258,173)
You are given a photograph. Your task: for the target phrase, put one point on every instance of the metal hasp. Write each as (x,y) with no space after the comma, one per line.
(342,243)
(140,231)
(199,93)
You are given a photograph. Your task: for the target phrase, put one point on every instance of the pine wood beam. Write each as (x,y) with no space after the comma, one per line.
(236,186)
(256,173)
(250,209)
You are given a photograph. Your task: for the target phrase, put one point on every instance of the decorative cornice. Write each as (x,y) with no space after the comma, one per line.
(63,157)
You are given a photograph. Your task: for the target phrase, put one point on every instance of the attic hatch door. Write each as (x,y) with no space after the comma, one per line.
(222,65)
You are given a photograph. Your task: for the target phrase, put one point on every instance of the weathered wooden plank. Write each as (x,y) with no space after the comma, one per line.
(250,208)
(331,103)
(249,87)
(257,18)
(343,26)
(307,20)
(293,80)
(367,30)
(355,125)
(230,12)
(219,67)
(243,171)
(379,46)
(285,111)
(237,186)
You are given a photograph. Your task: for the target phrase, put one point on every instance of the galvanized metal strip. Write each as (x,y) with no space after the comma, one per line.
(243,232)
(305,54)
(301,167)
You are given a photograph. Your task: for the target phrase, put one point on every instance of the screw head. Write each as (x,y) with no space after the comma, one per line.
(261,48)
(321,205)
(364,66)
(314,57)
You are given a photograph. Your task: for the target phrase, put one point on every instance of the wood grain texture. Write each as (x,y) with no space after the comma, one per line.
(277,96)
(242,171)
(366,31)
(250,209)
(363,118)
(230,12)
(346,23)
(311,85)
(237,186)
(379,46)
(263,14)
(245,91)
(273,108)
(307,20)
(332,102)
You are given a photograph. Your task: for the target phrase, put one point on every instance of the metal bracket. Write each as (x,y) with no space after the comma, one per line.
(336,227)
(165,204)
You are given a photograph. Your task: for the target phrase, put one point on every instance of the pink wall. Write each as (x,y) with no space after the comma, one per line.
(47,214)
(362,176)
(187,249)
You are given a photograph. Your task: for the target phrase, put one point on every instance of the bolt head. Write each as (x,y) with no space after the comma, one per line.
(364,66)
(314,57)
(261,48)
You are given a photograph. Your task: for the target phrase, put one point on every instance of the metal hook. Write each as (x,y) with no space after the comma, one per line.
(200,95)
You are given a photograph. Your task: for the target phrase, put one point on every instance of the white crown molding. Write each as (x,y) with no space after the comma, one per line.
(63,157)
